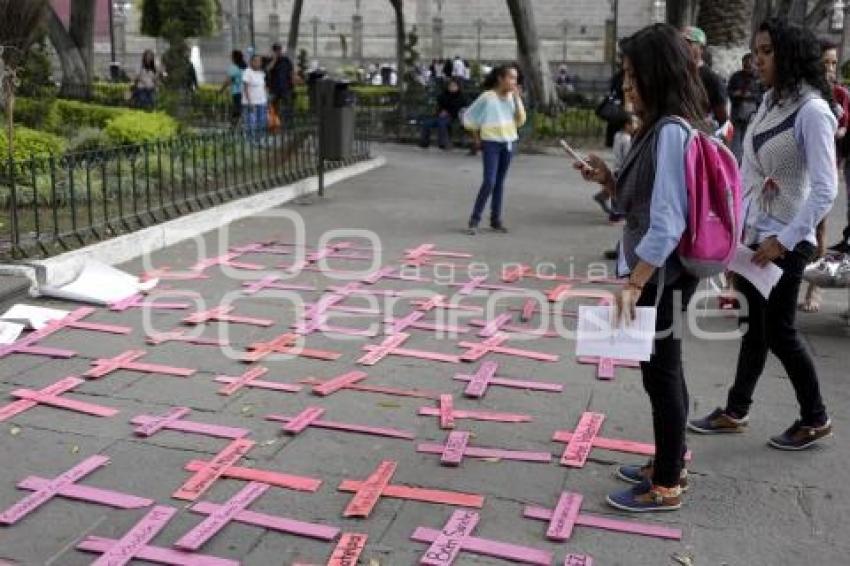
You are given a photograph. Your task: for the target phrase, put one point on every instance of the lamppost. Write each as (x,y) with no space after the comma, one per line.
(315,21)
(479,24)
(251,26)
(615,8)
(121,7)
(564,30)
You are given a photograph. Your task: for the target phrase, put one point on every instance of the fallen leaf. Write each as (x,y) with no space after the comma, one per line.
(15,430)
(389,405)
(683,559)
(269,442)
(373,562)
(75,449)
(247,409)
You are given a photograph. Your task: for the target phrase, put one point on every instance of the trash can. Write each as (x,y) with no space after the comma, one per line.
(336,104)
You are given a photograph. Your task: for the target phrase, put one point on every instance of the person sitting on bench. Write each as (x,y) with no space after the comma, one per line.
(449,104)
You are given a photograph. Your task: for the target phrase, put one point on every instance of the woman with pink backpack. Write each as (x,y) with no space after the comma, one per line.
(654,189)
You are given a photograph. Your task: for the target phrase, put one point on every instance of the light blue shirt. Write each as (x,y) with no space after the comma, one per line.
(814,131)
(668,216)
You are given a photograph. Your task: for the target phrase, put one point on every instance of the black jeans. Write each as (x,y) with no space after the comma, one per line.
(664,379)
(771,326)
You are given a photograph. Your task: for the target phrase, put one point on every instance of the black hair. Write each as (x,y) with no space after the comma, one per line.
(747,57)
(149,66)
(666,76)
(827,44)
(797,56)
(491,81)
(238,59)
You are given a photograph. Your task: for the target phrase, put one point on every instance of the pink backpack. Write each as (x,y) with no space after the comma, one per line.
(714,205)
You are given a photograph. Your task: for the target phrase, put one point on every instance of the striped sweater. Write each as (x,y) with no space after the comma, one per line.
(496,118)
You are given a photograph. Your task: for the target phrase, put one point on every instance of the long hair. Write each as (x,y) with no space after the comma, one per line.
(797,56)
(149,61)
(238,59)
(666,77)
(491,81)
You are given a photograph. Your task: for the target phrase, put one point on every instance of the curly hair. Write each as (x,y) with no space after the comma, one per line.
(797,56)
(666,76)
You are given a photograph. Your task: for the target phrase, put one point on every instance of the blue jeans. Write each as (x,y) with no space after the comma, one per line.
(442,124)
(255,120)
(497,159)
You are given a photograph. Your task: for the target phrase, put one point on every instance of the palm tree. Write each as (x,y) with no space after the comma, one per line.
(727,23)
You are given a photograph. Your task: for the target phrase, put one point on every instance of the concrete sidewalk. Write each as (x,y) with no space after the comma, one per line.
(748,505)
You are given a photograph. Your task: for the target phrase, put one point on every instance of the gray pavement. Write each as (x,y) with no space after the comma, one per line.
(748,505)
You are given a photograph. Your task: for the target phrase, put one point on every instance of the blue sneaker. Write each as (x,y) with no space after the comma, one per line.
(647,498)
(718,422)
(640,474)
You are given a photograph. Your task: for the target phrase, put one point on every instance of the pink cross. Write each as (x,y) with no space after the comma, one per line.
(335,251)
(311,417)
(27,345)
(140,301)
(605,366)
(228,259)
(566,291)
(181,335)
(65,485)
(74,319)
(222,314)
(494,345)
(277,479)
(348,549)
(377,485)
(272,282)
(250,378)
(476,283)
(148,425)
(424,253)
(485,376)
(440,302)
(321,388)
(414,320)
(585,438)
(50,395)
(134,545)
(206,475)
(260,248)
(392,346)
(447,414)
(456,537)
(165,274)
(285,344)
(456,448)
(236,509)
(127,361)
(390,272)
(502,323)
(530,308)
(567,514)
(319,323)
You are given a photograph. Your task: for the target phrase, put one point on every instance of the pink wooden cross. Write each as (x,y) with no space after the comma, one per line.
(277,479)
(165,274)
(378,485)
(566,291)
(392,346)
(28,345)
(578,560)
(65,485)
(514,273)
(475,283)
(222,314)
(148,425)
(157,338)
(530,308)
(494,345)
(311,415)
(134,545)
(319,323)
(605,366)
(448,414)
(74,319)
(348,549)
(585,438)
(324,388)
(485,376)
(140,301)
(236,509)
(50,395)
(356,288)
(206,475)
(228,259)
(440,302)
(567,514)
(127,361)
(335,251)
(427,252)
(272,282)
(250,378)
(457,447)
(502,323)
(285,344)
(261,248)
(390,272)
(456,537)
(414,320)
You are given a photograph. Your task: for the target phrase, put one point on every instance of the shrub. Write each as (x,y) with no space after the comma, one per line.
(39,114)
(31,143)
(133,127)
(89,139)
(75,115)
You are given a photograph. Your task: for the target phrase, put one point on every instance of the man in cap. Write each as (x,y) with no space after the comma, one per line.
(711,81)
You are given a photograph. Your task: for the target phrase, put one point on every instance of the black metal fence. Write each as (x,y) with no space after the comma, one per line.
(52,203)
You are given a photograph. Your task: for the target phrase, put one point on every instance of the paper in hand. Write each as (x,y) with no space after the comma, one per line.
(599,337)
(763,278)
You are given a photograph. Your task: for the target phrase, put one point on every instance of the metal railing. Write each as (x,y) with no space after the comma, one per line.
(52,203)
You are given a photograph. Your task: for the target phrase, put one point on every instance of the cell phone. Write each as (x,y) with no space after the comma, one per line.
(574,154)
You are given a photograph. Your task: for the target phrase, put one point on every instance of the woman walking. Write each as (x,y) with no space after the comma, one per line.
(144,88)
(233,84)
(790,179)
(255,99)
(651,192)
(493,119)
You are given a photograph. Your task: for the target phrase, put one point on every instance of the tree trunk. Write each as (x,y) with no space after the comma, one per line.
(762,10)
(73,66)
(294,25)
(530,58)
(681,13)
(727,25)
(81,30)
(400,35)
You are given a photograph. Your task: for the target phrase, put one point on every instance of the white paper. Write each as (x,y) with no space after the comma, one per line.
(9,332)
(597,336)
(99,284)
(32,317)
(763,278)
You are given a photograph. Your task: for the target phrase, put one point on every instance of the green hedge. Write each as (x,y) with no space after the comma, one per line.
(75,115)
(39,114)
(134,127)
(32,143)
